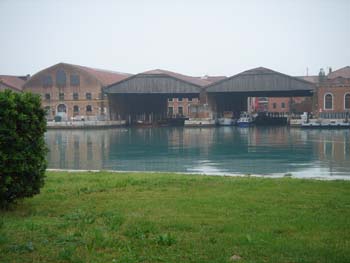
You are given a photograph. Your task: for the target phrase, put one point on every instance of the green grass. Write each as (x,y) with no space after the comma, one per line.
(125,217)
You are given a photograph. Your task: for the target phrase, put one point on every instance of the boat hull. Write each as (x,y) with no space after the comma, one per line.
(244,124)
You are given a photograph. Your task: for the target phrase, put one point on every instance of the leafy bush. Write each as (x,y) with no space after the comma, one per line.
(22,146)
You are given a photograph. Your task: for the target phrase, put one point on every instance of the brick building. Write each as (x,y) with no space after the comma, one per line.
(73,91)
(333,94)
(14,83)
(286,104)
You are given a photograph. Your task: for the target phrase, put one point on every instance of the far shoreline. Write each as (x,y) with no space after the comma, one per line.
(268,176)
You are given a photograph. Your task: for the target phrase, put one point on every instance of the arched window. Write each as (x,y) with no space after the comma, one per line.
(347,101)
(61,108)
(328,101)
(88,108)
(61,78)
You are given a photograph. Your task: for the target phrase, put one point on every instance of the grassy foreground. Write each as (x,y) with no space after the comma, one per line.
(109,217)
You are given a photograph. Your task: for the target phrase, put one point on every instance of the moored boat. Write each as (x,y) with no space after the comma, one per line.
(227,119)
(245,120)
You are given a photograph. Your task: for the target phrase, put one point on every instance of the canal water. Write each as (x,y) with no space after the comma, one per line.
(270,151)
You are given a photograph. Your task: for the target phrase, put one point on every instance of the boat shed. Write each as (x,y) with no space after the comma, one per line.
(143,97)
(231,94)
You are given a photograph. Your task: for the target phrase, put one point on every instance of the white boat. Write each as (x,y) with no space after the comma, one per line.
(326,124)
(227,119)
(199,122)
(245,120)
(226,122)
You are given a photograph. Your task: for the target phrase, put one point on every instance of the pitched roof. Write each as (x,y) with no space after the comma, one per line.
(342,72)
(15,82)
(261,80)
(106,77)
(194,80)
(213,79)
(312,79)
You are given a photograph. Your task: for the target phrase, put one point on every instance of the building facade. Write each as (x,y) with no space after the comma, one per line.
(333,95)
(73,92)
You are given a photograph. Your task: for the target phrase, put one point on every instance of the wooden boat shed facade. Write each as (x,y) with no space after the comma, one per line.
(232,94)
(144,96)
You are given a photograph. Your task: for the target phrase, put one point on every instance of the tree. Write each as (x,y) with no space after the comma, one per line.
(22,146)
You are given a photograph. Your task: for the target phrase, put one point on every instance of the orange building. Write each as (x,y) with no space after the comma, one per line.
(72,91)
(333,94)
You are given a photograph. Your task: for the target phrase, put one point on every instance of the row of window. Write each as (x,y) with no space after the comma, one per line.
(88,96)
(328,101)
(61,79)
(179,99)
(180,110)
(63,108)
(283,105)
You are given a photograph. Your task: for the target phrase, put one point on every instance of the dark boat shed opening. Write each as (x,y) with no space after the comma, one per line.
(144,97)
(232,94)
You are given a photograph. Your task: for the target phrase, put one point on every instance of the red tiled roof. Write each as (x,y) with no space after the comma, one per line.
(213,79)
(107,77)
(312,79)
(15,82)
(343,72)
(194,80)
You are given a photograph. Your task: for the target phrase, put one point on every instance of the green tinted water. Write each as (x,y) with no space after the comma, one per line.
(224,150)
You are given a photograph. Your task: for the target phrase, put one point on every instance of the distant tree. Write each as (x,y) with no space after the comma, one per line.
(22,146)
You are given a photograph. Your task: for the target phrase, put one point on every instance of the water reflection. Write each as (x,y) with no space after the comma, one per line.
(266,151)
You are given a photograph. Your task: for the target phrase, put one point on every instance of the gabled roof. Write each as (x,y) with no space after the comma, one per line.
(312,79)
(194,80)
(15,82)
(260,80)
(105,77)
(342,72)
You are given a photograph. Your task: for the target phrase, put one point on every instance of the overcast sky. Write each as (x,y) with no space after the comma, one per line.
(191,37)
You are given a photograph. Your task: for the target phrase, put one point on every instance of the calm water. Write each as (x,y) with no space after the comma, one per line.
(224,150)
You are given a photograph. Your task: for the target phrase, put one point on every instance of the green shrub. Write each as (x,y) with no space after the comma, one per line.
(22,146)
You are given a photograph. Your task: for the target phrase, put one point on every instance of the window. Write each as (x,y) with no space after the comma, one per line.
(47,96)
(61,96)
(47,81)
(88,108)
(61,77)
(61,108)
(47,110)
(74,80)
(179,99)
(328,101)
(170,99)
(170,111)
(180,111)
(76,108)
(347,101)
(283,105)
(274,105)
(75,96)
(88,96)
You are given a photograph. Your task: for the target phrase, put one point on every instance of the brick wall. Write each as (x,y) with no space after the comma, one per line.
(50,93)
